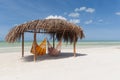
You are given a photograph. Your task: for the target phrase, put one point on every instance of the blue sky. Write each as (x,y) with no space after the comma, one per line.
(100,19)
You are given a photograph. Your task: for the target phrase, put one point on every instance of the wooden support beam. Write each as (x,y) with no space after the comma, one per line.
(53,40)
(74,49)
(35,55)
(22,44)
(38,32)
(58,30)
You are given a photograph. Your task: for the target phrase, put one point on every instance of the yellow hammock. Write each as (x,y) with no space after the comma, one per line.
(40,49)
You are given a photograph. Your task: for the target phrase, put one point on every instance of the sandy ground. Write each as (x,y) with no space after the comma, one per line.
(90,64)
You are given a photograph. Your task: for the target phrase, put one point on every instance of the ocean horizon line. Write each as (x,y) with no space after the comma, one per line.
(63,41)
(13,47)
(80,42)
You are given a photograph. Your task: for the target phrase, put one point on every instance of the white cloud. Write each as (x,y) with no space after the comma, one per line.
(75,15)
(77,9)
(90,10)
(88,22)
(100,20)
(75,21)
(117,13)
(55,17)
(80,9)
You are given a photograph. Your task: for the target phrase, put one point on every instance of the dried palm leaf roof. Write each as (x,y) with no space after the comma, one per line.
(61,28)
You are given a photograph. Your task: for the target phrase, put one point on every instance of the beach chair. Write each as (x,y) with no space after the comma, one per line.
(39,49)
(54,51)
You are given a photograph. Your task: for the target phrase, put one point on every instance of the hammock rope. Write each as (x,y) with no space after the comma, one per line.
(55,51)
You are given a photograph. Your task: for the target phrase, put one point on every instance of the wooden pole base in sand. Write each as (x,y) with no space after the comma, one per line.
(74,49)
(22,44)
(35,55)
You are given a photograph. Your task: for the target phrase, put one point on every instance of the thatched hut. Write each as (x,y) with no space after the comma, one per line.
(54,27)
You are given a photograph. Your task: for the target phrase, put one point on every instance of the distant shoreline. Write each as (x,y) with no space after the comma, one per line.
(78,40)
(16,47)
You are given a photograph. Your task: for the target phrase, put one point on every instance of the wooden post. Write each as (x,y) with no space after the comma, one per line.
(35,56)
(53,40)
(22,44)
(74,45)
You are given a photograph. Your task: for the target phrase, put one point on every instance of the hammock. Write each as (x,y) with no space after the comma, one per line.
(40,49)
(54,51)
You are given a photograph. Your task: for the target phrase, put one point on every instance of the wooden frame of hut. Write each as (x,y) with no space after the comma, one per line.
(54,27)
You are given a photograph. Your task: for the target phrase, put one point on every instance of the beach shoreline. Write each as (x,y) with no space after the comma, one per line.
(16,47)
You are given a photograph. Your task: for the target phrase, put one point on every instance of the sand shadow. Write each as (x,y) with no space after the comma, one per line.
(118,48)
(48,57)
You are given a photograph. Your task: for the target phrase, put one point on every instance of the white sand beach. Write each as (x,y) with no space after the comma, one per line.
(102,63)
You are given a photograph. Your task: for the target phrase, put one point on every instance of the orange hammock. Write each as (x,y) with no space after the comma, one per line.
(40,49)
(54,51)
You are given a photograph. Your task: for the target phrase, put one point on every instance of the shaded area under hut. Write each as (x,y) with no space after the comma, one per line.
(56,28)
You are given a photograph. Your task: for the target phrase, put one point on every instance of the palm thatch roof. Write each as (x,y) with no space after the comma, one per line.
(60,28)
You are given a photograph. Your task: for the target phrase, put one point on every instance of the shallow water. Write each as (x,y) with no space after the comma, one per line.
(16,47)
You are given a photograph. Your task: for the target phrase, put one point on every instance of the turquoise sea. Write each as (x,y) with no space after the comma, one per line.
(16,47)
